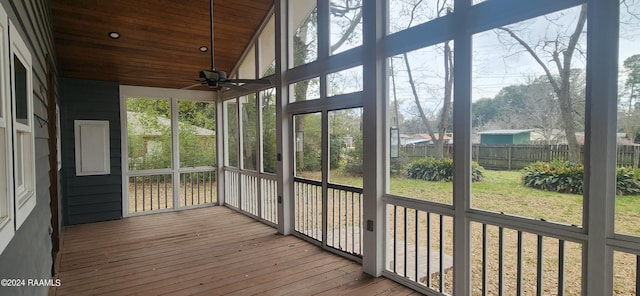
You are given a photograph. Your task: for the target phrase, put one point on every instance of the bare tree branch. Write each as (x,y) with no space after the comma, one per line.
(352,26)
(416,98)
(535,56)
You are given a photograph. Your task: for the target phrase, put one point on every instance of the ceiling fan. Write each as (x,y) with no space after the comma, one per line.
(216,79)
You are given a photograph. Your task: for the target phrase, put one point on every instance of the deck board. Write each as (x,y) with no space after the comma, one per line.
(206,251)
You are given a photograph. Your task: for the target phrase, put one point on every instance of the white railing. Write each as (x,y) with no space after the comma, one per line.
(231,189)
(198,187)
(149,192)
(249,193)
(505,257)
(252,193)
(343,214)
(152,191)
(269,198)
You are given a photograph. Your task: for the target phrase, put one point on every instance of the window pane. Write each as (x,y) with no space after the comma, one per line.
(249,135)
(197,135)
(346,25)
(19,162)
(522,115)
(404,14)
(345,147)
(267,47)
(305,90)
(148,133)
(303,23)
(269,148)
(627,215)
(308,145)
(21,93)
(248,67)
(231,132)
(344,82)
(420,105)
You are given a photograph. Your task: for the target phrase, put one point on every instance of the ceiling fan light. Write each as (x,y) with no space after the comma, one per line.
(114,35)
(203,48)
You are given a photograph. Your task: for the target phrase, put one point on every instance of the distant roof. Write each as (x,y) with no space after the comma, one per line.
(505,132)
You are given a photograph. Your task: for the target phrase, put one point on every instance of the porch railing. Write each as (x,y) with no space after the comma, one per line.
(249,193)
(505,258)
(198,187)
(151,191)
(269,198)
(308,207)
(343,214)
(231,188)
(252,193)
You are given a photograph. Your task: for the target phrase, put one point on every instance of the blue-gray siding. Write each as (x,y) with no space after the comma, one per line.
(28,255)
(90,198)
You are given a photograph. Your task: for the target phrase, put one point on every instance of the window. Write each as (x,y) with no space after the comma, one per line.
(420,107)
(303,24)
(404,14)
(346,25)
(305,90)
(268,122)
(231,130)
(267,49)
(248,66)
(344,82)
(518,114)
(23,137)
(6,202)
(249,137)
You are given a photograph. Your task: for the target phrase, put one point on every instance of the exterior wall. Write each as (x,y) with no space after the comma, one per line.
(496,139)
(90,198)
(488,139)
(28,255)
(524,138)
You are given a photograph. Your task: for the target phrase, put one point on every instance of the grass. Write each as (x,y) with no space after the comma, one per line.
(503,192)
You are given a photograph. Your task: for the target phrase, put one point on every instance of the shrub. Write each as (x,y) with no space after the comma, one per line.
(567,177)
(432,169)
(558,176)
(627,181)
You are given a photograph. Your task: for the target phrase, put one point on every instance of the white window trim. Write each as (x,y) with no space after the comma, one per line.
(6,189)
(25,196)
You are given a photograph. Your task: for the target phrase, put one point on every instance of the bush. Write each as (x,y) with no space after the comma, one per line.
(432,169)
(558,176)
(568,177)
(627,181)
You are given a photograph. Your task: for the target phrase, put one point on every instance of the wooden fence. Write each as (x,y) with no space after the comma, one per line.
(515,157)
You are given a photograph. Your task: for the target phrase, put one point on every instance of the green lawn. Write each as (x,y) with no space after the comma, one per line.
(502,191)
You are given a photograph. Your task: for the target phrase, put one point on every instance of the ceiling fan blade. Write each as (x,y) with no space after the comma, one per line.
(235,87)
(254,81)
(191,86)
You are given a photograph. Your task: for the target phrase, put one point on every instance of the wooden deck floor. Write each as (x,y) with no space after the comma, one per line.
(208,251)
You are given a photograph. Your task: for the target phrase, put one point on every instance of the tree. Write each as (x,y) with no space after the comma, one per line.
(443,93)
(348,15)
(560,50)
(632,84)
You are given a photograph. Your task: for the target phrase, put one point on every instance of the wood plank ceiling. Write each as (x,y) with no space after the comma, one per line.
(160,39)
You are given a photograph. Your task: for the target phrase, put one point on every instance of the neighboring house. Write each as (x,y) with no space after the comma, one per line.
(152,136)
(505,137)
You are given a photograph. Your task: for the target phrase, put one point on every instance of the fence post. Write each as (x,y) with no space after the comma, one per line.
(509,153)
(636,157)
